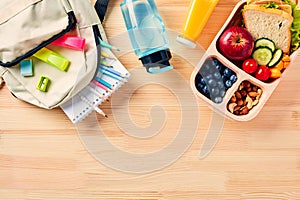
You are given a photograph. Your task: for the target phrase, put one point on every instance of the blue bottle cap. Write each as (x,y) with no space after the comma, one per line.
(157,62)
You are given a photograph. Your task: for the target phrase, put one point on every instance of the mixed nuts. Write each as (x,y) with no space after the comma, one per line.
(244,99)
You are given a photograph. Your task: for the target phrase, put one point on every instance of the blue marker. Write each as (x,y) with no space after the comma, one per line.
(110,74)
(113,71)
(103,82)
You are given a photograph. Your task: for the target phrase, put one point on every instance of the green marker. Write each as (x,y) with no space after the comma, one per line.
(104,44)
(53,59)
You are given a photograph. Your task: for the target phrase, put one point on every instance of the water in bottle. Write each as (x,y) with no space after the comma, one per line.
(147,34)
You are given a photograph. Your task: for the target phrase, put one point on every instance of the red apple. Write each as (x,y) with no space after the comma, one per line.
(236,43)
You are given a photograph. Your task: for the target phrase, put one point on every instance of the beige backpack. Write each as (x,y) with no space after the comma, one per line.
(27,27)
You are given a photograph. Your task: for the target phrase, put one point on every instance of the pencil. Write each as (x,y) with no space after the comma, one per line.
(97,93)
(98,110)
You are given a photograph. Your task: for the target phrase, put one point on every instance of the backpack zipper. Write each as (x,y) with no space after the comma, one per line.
(71,24)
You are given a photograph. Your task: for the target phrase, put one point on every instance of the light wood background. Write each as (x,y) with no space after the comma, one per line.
(42,156)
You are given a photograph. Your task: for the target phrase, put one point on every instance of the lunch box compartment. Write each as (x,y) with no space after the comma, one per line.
(213,53)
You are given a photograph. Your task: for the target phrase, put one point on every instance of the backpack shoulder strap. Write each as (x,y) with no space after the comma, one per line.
(101,7)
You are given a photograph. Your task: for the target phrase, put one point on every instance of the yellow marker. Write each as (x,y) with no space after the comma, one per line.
(105,55)
(53,59)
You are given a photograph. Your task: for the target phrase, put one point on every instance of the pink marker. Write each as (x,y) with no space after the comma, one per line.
(101,86)
(71,42)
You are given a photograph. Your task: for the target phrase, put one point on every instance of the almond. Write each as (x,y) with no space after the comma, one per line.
(253,94)
(240,102)
(244,111)
(233,99)
(238,95)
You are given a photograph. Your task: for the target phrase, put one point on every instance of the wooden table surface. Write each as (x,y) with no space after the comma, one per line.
(42,155)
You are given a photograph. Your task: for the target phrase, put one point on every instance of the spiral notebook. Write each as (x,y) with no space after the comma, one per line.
(92,96)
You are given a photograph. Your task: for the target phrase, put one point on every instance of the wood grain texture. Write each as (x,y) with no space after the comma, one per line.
(43,157)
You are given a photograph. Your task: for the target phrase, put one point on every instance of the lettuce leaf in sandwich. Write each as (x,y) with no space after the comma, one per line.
(271,4)
(295,28)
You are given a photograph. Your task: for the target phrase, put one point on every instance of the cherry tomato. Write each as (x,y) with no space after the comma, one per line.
(250,65)
(263,73)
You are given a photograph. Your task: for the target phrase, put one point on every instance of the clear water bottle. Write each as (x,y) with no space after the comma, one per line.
(147,34)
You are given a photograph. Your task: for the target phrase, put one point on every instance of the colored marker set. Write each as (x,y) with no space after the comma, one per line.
(109,77)
(52,58)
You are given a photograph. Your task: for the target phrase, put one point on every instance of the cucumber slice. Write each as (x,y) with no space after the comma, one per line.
(276,58)
(265,42)
(262,55)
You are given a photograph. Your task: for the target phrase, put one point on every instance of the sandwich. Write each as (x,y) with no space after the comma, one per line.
(270,19)
(278,4)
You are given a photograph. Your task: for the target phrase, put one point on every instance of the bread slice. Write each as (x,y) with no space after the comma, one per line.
(270,23)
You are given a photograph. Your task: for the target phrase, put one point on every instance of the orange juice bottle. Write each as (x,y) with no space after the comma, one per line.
(197,17)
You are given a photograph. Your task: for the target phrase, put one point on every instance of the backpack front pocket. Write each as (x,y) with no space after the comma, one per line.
(29,25)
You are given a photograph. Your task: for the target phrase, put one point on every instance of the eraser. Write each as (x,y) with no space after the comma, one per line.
(26,67)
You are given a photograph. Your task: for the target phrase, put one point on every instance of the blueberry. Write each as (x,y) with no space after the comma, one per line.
(218,99)
(205,67)
(205,90)
(200,86)
(233,78)
(227,72)
(220,84)
(224,78)
(212,83)
(219,65)
(208,77)
(202,81)
(216,62)
(198,77)
(217,75)
(222,92)
(228,84)
(215,92)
